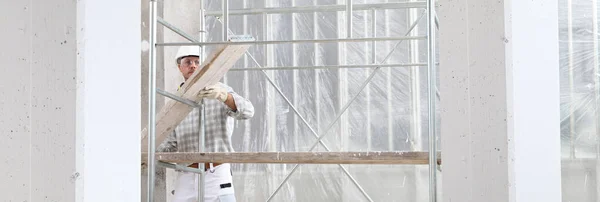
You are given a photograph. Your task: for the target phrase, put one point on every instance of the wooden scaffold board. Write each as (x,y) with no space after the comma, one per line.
(399,157)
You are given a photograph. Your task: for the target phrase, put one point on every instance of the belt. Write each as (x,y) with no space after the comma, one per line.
(206,165)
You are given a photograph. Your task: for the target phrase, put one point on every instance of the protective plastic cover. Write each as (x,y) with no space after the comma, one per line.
(390,114)
(579,90)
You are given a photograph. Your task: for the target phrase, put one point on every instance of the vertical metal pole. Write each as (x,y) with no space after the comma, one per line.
(596,90)
(342,81)
(596,72)
(225,8)
(202,123)
(389,84)
(295,79)
(202,29)
(152,103)
(201,109)
(416,134)
(349,18)
(373,34)
(272,119)
(367,73)
(271,104)
(247,126)
(571,79)
(317,71)
(343,91)
(431,77)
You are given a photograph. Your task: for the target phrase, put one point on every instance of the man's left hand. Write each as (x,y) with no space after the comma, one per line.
(214,92)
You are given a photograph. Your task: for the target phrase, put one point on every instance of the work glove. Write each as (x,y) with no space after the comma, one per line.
(214,92)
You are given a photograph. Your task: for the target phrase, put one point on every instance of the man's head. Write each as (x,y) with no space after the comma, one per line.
(188,60)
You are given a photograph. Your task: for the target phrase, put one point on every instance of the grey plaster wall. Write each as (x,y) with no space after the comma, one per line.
(37,100)
(57,109)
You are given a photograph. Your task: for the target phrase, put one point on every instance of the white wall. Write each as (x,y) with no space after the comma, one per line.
(536,100)
(60,114)
(111,99)
(500,100)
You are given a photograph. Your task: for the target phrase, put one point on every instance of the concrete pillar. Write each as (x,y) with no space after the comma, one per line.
(69,99)
(500,100)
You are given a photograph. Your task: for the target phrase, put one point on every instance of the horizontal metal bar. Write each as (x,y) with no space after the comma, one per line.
(178,167)
(177,98)
(373,157)
(176,30)
(319,8)
(327,67)
(298,41)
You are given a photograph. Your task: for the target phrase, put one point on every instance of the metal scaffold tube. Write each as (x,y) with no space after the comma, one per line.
(388,84)
(176,98)
(416,136)
(176,30)
(596,79)
(349,18)
(225,19)
(431,77)
(316,54)
(571,80)
(201,108)
(295,80)
(201,177)
(372,60)
(596,74)
(342,75)
(152,103)
(320,8)
(296,41)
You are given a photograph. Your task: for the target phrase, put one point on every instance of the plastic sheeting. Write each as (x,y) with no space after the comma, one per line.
(579,100)
(390,114)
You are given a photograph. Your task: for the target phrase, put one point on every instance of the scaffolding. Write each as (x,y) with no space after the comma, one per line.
(169,160)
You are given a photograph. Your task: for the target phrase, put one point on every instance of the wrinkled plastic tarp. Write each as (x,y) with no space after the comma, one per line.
(384,117)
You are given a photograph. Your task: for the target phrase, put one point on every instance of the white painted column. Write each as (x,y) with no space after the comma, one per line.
(536,100)
(71,85)
(500,100)
(108,99)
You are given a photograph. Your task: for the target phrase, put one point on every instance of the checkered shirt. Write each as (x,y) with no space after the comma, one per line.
(219,126)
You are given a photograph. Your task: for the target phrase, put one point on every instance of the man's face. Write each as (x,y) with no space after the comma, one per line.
(188,65)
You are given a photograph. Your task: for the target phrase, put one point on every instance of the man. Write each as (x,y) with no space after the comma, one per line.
(222,107)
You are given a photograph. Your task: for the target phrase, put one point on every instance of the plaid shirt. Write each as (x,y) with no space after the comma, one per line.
(219,126)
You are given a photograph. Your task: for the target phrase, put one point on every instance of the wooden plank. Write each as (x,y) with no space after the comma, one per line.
(413,158)
(211,71)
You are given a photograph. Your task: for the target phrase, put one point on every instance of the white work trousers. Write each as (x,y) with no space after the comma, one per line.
(218,185)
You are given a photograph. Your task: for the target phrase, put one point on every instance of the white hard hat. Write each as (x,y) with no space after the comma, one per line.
(185,51)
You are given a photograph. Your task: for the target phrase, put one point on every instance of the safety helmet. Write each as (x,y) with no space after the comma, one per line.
(185,51)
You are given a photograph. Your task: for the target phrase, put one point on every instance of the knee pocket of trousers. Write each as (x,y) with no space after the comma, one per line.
(226,194)
(227,198)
